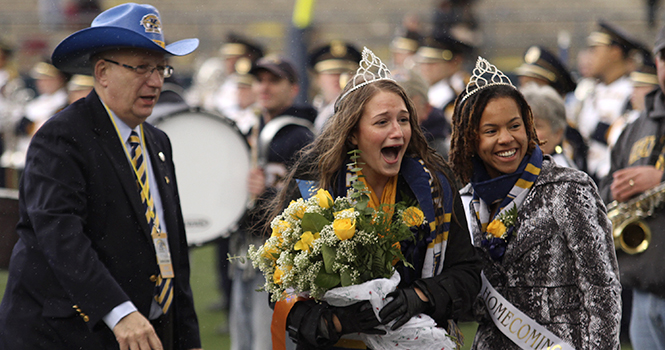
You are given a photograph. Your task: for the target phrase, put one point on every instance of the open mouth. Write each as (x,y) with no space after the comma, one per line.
(507,154)
(148,98)
(391,154)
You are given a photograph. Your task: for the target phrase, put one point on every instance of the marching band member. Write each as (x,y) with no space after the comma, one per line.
(330,64)
(638,165)
(611,62)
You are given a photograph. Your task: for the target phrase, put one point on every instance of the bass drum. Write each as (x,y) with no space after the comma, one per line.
(212,162)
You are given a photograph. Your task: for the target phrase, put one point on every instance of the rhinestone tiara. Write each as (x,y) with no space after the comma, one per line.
(485,74)
(371,69)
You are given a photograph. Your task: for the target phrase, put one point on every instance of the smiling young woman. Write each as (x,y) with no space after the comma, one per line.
(541,228)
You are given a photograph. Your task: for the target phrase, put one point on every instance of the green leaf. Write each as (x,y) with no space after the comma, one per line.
(378,260)
(346,278)
(362,203)
(313,222)
(358,186)
(328,258)
(327,280)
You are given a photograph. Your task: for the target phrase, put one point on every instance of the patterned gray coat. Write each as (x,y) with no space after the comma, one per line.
(561,268)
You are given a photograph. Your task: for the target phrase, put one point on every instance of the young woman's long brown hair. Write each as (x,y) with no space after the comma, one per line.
(323,159)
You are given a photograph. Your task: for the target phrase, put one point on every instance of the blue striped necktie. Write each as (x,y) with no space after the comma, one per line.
(163,286)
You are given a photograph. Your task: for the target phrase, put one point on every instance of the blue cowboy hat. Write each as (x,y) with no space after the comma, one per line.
(124,26)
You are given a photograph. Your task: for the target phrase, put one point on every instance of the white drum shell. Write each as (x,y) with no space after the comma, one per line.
(212,163)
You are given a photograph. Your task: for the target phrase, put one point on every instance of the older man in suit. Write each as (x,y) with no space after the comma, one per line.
(102,259)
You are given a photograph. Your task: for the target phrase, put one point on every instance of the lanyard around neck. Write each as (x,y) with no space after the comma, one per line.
(129,157)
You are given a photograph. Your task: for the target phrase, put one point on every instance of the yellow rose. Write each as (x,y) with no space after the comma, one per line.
(305,242)
(269,251)
(279,228)
(496,228)
(324,198)
(344,228)
(298,209)
(277,276)
(413,216)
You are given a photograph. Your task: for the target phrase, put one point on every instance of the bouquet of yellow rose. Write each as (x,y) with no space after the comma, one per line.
(343,251)
(322,243)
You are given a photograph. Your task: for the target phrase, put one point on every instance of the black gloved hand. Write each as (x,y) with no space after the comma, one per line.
(358,318)
(405,304)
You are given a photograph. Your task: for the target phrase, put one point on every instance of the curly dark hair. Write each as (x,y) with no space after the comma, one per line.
(466,121)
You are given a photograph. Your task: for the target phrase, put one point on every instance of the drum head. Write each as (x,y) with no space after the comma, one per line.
(212,163)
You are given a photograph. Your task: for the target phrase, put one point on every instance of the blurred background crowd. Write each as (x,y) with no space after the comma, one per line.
(584,66)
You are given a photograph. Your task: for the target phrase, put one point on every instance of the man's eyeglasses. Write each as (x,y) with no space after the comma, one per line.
(144,69)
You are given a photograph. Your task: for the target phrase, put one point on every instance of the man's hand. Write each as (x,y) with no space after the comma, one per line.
(256,182)
(134,332)
(628,182)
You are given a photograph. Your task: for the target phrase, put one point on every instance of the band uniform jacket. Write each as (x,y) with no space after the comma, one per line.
(85,244)
(560,269)
(642,271)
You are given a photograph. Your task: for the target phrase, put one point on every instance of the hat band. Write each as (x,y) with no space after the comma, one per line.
(598,38)
(431,53)
(539,72)
(640,78)
(233,49)
(245,79)
(404,44)
(43,68)
(336,65)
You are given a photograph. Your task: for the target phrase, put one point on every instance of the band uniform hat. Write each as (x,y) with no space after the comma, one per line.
(45,69)
(441,48)
(609,34)
(645,74)
(80,82)
(335,57)
(542,64)
(128,25)
(276,65)
(407,41)
(238,46)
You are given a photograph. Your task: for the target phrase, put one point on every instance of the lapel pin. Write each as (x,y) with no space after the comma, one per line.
(161,156)
(167,179)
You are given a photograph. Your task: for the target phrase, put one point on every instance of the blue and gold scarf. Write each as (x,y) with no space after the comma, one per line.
(509,190)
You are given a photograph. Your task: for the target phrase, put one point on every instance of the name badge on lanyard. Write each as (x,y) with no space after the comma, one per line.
(163,254)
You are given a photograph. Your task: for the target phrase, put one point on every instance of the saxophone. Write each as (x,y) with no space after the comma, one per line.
(631,234)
